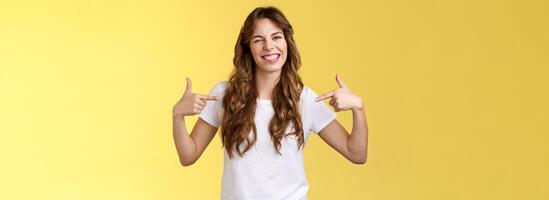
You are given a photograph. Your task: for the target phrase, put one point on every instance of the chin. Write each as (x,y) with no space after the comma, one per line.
(270,67)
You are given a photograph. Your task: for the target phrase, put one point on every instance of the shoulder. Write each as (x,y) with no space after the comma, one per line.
(307,98)
(219,88)
(221,85)
(308,94)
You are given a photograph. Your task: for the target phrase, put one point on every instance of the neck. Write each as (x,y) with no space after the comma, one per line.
(265,82)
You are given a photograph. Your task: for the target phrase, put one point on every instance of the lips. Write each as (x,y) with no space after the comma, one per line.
(271,57)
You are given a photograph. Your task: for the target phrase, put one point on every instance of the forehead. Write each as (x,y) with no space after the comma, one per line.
(265,27)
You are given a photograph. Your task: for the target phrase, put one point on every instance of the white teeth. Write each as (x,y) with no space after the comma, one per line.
(271,57)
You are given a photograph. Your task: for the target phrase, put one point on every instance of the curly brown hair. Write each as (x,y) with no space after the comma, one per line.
(239,102)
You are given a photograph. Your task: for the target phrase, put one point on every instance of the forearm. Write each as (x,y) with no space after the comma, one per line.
(358,141)
(184,143)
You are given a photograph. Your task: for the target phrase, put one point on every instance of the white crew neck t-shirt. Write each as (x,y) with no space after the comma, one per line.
(262,173)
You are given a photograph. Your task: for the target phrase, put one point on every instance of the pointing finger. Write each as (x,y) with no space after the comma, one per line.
(340,81)
(324,96)
(206,97)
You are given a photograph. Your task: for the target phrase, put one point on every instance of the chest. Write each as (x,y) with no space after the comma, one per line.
(263,115)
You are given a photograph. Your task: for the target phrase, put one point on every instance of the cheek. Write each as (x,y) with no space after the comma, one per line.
(284,46)
(284,49)
(255,49)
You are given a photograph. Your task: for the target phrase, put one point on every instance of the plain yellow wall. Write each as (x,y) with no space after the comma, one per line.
(456,95)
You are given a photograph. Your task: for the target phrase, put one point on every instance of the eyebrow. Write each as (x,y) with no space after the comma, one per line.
(278,32)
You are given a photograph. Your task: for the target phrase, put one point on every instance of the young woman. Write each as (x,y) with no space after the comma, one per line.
(266,115)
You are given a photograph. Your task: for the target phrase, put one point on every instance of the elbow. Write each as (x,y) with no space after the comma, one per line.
(360,158)
(186,162)
(359,161)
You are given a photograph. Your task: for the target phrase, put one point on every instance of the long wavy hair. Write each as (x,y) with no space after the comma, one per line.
(239,102)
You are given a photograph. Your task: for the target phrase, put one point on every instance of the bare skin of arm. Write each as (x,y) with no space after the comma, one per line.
(354,147)
(191,146)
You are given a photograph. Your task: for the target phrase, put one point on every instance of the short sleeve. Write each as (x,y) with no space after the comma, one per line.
(212,112)
(322,115)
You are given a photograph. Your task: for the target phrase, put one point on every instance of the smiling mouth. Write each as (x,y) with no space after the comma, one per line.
(271,57)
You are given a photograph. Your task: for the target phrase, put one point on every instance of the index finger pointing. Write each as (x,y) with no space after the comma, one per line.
(206,97)
(324,96)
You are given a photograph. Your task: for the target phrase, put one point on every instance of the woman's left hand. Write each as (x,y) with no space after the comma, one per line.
(341,99)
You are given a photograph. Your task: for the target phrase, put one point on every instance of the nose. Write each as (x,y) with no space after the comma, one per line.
(269,45)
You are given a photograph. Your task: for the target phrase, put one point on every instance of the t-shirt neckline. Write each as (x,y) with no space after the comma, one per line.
(264,101)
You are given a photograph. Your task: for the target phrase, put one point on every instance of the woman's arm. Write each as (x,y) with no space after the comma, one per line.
(190,147)
(354,147)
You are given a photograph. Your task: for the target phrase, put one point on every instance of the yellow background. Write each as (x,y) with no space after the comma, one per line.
(456,96)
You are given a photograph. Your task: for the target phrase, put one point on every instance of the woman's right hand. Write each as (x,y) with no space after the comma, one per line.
(191,103)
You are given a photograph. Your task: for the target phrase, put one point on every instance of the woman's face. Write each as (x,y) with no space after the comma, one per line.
(268,45)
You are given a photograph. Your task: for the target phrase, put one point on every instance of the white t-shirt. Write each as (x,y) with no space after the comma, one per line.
(262,173)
